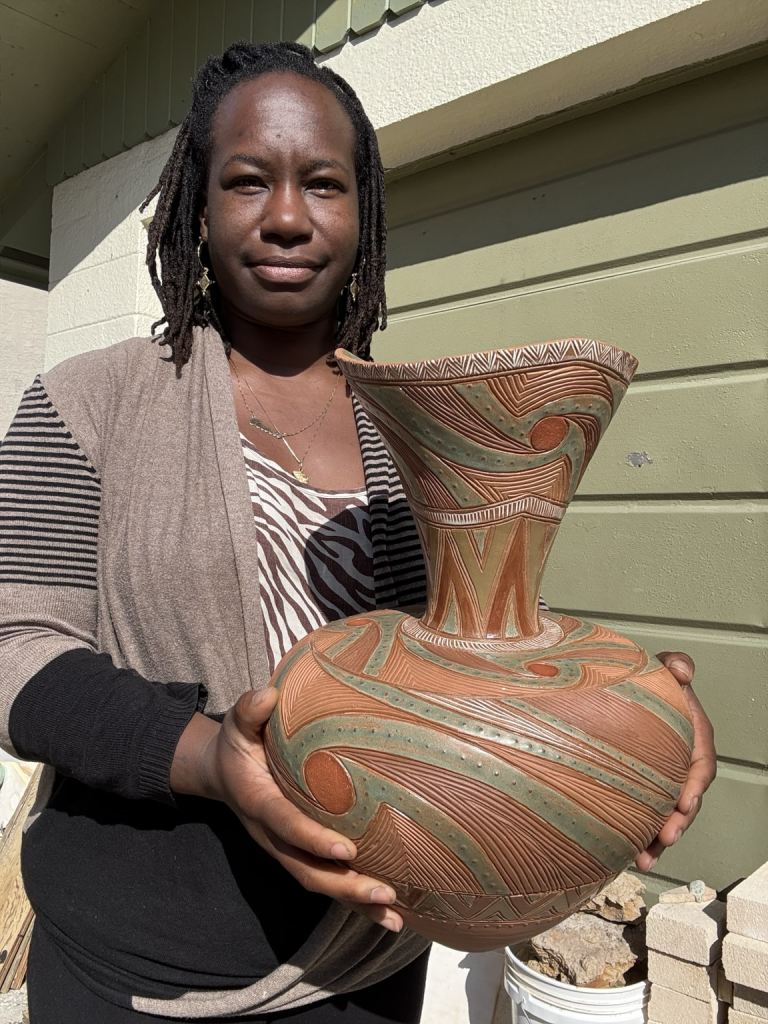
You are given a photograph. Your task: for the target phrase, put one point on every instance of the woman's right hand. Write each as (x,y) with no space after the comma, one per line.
(227,762)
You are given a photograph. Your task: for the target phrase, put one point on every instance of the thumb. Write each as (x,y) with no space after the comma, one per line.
(253,710)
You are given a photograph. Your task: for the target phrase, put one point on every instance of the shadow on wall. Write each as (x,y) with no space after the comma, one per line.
(626,158)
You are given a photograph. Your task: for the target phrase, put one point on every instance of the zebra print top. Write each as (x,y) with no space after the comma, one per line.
(315,552)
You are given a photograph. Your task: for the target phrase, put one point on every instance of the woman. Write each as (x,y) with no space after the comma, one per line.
(176,523)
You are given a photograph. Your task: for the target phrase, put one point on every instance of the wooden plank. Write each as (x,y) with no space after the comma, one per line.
(331,24)
(686,436)
(238,21)
(694,311)
(299,21)
(114,107)
(73,140)
(13,899)
(136,71)
(54,157)
(159,69)
(692,562)
(368,15)
(663,120)
(267,20)
(183,57)
(694,197)
(15,962)
(731,670)
(21,968)
(210,30)
(94,124)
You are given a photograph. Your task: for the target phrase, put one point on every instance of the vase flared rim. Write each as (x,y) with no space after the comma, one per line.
(493,361)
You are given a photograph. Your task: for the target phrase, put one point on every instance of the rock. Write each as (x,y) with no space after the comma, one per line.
(694,892)
(584,950)
(621,900)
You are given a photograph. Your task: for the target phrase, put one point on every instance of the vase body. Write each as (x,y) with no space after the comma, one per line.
(496,763)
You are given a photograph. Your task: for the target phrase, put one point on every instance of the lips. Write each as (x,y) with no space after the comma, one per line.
(285,271)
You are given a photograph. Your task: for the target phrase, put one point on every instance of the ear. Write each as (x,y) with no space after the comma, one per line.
(203,218)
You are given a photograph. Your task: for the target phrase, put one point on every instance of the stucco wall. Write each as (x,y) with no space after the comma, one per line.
(23,321)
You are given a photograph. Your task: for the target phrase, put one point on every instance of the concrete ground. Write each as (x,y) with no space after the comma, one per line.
(13,1007)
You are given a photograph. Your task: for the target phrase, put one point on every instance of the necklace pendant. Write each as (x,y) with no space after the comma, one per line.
(256,422)
(301,476)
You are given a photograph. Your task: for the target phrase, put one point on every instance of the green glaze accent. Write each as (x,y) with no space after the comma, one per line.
(331,24)
(136,70)
(389,626)
(638,695)
(418,744)
(367,15)
(467,725)
(371,790)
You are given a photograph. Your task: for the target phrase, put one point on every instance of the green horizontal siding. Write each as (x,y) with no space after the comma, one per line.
(147,90)
(645,225)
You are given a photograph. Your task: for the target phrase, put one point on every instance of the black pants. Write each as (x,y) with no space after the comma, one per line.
(56,996)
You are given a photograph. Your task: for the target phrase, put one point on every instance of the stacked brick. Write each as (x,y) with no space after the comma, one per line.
(745,949)
(684,947)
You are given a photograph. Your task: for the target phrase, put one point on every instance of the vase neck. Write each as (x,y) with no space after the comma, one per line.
(484,582)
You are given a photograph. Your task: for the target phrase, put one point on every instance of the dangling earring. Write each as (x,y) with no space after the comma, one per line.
(204,282)
(353,287)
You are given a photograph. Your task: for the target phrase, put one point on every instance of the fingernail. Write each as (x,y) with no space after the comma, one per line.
(383,894)
(679,666)
(392,924)
(654,862)
(341,852)
(677,835)
(694,804)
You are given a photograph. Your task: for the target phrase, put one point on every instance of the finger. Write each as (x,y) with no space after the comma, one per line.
(387,917)
(338,881)
(293,828)
(646,860)
(679,664)
(253,709)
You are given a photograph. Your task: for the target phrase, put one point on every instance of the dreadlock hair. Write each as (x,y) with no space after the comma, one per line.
(174,233)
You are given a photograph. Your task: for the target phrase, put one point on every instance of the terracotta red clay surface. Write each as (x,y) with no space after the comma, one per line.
(497,764)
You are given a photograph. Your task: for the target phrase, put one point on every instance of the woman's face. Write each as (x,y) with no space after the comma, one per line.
(281,215)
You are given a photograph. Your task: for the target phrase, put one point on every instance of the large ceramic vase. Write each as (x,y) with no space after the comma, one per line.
(496,763)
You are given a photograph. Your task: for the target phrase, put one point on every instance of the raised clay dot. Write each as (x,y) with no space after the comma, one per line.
(329,782)
(548,433)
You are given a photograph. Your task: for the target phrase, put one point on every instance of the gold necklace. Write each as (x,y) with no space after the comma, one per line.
(260,425)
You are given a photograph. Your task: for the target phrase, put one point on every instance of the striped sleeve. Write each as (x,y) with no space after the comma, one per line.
(50,496)
(62,702)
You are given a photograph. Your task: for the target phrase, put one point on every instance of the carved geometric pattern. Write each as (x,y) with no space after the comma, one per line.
(500,360)
(495,763)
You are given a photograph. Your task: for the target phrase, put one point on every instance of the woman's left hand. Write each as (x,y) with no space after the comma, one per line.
(703,764)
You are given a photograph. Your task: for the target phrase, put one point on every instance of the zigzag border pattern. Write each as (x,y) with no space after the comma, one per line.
(550,635)
(530,505)
(502,360)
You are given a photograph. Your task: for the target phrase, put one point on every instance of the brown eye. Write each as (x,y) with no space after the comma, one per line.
(325,185)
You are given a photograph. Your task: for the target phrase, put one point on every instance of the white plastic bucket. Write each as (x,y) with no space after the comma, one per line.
(537,999)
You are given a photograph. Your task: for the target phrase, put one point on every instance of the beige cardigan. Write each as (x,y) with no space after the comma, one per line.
(177,618)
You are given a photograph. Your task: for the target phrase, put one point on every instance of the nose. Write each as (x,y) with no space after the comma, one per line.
(285,216)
